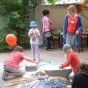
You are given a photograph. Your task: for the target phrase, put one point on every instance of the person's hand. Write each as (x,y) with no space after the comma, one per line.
(77,32)
(37,62)
(36,33)
(50,22)
(31,33)
(64,37)
(60,67)
(33,37)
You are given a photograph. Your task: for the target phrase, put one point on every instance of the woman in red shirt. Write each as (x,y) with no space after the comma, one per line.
(72,28)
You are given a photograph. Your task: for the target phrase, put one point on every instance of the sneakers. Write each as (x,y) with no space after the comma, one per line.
(48,49)
(4,75)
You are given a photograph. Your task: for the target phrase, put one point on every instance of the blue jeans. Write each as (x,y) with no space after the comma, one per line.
(44,41)
(12,69)
(48,44)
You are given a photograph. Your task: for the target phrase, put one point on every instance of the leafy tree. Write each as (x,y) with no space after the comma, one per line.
(16,15)
(86,1)
(16,18)
(52,1)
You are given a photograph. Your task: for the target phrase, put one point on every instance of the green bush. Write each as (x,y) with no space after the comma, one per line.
(3,33)
(22,38)
(16,15)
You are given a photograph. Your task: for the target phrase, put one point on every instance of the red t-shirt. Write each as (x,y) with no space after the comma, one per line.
(14,59)
(72,60)
(72,24)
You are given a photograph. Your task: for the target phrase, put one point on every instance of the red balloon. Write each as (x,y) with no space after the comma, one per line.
(11,39)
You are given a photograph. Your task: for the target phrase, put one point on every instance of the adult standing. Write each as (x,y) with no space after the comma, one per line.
(72,28)
(46,23)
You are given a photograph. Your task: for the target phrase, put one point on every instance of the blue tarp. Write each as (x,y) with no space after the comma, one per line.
(46,83)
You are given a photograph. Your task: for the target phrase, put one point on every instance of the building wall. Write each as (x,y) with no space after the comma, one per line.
(57,14)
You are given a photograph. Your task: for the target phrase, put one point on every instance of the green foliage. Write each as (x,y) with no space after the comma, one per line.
(23,38)
(3,34)
(86,1)
(16,18)
(53,1)
(34,2)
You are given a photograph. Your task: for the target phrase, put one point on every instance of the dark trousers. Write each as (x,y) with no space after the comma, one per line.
(48,44)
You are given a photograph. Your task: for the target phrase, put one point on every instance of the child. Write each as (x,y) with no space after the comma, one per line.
(81,78)
(46,24)
(11,64)
(44,39)
(72,60)
(33,35)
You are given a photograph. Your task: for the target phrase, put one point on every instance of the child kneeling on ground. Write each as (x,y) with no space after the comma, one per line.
(11,64)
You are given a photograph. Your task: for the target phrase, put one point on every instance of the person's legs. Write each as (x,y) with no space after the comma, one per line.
(48,44)
(71,75)
(72,40)
(10,71)
(33,50)
(37,53)
(4,75)
(68,39)
(74,43)
(18,74)
(44,41)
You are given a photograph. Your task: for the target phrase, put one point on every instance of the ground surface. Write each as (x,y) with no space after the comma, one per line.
(54,55)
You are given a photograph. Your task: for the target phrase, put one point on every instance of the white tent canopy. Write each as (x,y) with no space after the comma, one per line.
(69,1)
(45,2)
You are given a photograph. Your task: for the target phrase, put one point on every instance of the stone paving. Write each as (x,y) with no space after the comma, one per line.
(55,55)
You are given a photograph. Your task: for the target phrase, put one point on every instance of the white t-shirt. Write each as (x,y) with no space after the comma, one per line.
(33,31)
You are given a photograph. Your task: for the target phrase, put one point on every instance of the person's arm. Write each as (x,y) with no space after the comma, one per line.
(80,23)
(37,33)
(30,60)
(42,25)
(50,22)
(30,33)
(67,62)
(65,26)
